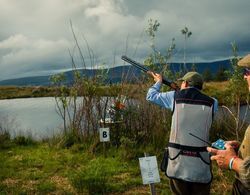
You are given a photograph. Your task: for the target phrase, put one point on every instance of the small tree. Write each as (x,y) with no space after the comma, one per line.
(156,60)
(193,67)
(221,74)
(186,34)
(207,75)
(155,57)
(238,92)
(61,97)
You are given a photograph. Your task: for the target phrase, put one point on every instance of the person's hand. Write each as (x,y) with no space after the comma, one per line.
(223,157)
(235,144)
(157,77)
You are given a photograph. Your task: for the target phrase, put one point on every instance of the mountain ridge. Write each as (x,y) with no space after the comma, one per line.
(116,74)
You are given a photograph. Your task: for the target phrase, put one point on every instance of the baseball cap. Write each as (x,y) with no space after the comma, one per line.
(245,62)
(193,78)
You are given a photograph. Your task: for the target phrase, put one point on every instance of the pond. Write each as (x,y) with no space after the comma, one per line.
(38,117)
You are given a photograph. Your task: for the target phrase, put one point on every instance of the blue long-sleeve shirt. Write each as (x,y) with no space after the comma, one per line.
(166,99)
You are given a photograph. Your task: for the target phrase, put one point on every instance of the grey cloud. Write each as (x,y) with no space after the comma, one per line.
(38,55)
(35,35)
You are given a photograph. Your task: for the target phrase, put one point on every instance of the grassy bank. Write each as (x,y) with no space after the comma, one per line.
(9,92)
(214,89)
(43,169)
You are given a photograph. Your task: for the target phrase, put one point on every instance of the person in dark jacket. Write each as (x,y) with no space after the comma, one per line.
(229,159)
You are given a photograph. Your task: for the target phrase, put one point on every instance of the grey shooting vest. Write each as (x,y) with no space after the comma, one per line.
(188,158)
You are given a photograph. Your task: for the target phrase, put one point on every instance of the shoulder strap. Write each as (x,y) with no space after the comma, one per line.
(174,102)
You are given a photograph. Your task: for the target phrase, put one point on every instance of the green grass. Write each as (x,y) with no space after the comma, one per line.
(9,92)
(41,169)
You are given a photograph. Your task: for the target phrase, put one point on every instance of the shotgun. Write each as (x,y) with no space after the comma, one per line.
(171,84)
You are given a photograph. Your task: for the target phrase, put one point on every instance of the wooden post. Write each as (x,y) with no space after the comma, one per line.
(152,185)
(104,143)
(104,150)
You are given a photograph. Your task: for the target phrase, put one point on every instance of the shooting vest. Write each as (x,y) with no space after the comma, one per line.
(188,158)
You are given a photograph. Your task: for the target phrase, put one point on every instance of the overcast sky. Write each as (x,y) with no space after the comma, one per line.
(36,36)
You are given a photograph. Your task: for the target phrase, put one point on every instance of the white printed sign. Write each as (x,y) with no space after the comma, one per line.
(104,134)
(149,170)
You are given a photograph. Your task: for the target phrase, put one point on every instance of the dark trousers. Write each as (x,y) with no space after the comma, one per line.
(179,187)
(239,189)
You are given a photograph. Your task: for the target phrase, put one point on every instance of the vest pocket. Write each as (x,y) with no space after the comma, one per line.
(204,156)
(173,153)
(185,166)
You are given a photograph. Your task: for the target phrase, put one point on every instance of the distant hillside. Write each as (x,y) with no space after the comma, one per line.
(27,81)
(202,66)
(116,74)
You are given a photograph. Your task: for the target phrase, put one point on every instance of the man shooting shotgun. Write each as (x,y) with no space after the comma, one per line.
(145,69)
(188,162)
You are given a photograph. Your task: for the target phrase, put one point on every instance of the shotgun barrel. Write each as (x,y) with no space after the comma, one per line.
(171,84)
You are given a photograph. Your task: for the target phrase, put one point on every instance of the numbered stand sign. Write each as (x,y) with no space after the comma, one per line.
(149,170)
(104,134)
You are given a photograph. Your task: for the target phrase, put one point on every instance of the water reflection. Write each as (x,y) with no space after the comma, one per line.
(36,117)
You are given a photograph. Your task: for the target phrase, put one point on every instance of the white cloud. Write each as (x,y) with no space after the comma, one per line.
(14,41)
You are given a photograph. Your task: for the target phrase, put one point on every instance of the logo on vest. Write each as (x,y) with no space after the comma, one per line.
(189,153)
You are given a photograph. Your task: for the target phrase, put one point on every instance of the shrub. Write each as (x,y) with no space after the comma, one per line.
(127,148)
(4,140)
(23,141)
(65,140)
(93,179)
(46,187)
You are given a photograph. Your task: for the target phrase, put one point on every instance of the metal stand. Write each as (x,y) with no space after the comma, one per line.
(152,185)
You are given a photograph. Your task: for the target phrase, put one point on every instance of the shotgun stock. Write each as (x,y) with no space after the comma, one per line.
(171,84)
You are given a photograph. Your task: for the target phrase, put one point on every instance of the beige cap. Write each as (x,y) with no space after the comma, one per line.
(245,61)
(193,78)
